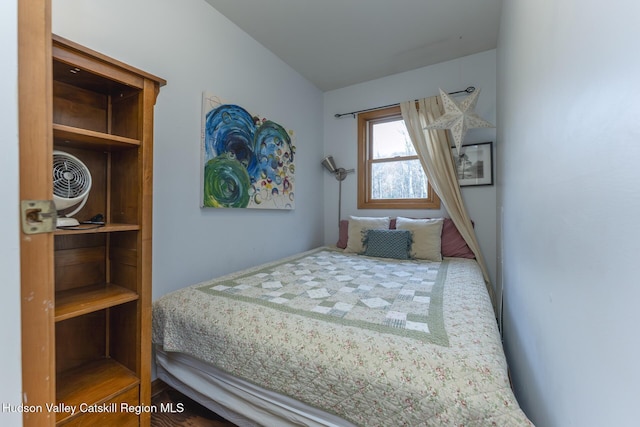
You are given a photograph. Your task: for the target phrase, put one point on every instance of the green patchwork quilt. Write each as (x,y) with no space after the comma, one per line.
(376,341)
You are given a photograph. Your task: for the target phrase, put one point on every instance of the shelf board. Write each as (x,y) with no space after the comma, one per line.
(92,383)
(85,138)
(107,228)
(87,299)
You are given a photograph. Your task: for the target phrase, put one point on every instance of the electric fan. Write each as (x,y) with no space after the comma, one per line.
(71,186)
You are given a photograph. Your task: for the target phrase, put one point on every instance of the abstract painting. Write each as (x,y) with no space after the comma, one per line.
(247,160)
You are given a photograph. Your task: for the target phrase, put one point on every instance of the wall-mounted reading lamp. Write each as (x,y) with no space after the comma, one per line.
(340,174)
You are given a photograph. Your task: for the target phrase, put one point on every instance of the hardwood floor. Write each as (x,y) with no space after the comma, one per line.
(192,414)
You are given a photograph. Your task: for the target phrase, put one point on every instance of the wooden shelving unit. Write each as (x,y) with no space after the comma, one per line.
(103,115)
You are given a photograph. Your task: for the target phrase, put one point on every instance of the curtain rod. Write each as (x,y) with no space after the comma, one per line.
(470,89)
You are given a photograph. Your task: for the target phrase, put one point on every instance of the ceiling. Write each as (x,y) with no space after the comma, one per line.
(337,43)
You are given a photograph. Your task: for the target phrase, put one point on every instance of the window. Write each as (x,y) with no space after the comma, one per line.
(390,175)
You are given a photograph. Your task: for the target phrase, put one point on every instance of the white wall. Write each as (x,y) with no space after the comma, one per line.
(195,48)
(569,189)
(340,138)
(10,358)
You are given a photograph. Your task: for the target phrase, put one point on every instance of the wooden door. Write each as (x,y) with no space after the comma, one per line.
(36,250)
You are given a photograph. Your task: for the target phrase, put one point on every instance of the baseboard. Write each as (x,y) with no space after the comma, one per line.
(157,387)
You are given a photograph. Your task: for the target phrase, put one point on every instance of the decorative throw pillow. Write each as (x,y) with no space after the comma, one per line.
(357,225)
(426,237)
(388,243)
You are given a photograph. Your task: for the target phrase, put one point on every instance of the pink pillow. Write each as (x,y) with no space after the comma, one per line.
(452,242)
(343,233)
(453,245)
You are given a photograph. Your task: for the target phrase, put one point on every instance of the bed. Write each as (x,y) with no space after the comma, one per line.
(335,338)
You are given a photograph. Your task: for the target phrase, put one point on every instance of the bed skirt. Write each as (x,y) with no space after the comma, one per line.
(203,382)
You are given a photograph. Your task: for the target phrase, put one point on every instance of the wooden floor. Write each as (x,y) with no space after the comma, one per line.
(193,415)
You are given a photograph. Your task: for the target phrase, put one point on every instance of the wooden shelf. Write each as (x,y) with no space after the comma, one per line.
(87,299)
(93,346)
(107,228)
(78,137)
(92,383)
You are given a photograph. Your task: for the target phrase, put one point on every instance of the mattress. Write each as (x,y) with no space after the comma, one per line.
(370,341)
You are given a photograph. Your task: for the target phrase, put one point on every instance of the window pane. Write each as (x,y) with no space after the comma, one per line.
(388,175)
(391,139)
(398,180)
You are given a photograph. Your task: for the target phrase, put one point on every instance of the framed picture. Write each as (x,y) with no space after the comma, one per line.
(474,164)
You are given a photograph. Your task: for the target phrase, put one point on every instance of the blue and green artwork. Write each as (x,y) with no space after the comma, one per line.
(247,161)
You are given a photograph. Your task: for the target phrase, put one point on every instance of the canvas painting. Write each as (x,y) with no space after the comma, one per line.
(248,161)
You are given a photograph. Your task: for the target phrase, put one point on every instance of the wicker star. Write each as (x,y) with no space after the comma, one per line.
(459,117)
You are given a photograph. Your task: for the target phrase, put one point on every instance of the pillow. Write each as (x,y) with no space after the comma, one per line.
(359,224)
(453,244)
(388,243)
(426,237)
(343,234)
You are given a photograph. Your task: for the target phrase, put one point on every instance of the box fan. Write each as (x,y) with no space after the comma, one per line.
(71,186)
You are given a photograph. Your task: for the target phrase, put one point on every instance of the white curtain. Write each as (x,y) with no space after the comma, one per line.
(434,151)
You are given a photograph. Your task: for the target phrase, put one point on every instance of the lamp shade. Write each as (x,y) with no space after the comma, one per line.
(329,164)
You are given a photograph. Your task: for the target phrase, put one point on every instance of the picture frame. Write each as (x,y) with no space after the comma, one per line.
(474,164)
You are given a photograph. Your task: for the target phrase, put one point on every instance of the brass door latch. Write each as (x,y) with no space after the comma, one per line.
(38,216)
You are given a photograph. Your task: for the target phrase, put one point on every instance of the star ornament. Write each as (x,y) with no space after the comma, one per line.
(459,117)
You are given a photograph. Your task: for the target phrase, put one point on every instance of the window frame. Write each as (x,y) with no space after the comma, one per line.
(365,161)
